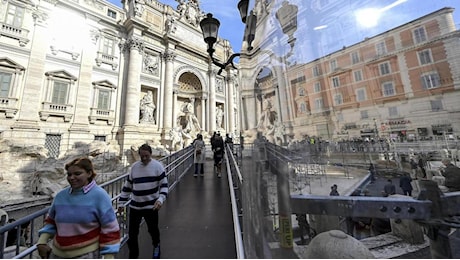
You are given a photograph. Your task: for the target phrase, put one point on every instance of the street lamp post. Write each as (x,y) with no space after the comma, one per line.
(210,29)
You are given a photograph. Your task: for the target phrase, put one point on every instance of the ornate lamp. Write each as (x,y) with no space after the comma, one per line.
(210,28)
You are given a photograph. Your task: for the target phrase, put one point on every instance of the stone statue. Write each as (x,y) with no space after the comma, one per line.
(265,119)
(188,122)
(147,108)
(279,133)
(181,7)
(171,25)
(219,116)
(138,7)
(177,142)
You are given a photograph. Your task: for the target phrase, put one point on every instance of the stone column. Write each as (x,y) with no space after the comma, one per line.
(168,114)
(203,113)
(135,46)
(212,100)
(230,108)
(28,117)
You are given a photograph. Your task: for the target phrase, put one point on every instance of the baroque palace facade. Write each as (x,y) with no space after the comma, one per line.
(81,70)
(403,83)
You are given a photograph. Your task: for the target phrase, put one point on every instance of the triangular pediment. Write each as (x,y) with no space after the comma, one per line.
(61,74)
(104,83)
(6,62)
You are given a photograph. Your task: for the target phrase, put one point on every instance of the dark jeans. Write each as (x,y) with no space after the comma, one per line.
(151,219)
(199,168)
(407,192)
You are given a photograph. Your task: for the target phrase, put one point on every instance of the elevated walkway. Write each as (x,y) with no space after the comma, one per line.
(195,222)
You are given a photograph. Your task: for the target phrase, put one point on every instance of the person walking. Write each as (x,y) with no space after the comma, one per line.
(372,172)
(81,220)
(218,149)
(147,187)
(405,184)
(199,155)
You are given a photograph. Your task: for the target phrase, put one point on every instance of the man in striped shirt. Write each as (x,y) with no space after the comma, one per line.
(147,187)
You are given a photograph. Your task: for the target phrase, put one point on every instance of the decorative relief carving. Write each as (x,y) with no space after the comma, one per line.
(94,34)
(150,64)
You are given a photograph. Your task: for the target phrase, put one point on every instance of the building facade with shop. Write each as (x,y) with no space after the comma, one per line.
(78,71)
(403,83)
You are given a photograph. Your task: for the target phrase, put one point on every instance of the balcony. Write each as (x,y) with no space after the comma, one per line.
(19,34)
(101,114)
(107,59)
(9,106)
(59,110)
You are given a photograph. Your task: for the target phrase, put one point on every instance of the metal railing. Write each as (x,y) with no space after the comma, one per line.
(176,165)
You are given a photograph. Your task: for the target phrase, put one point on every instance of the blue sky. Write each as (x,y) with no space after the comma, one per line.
(390,14)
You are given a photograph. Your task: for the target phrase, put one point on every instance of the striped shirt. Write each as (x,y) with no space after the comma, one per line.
(145,185)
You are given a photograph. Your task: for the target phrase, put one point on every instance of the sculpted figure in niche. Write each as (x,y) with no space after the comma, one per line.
(219,116)
(188,121)
(266,118)
(147,108)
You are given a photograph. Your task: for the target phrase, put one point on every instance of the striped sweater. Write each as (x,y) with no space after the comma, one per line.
(145,185)
(81,221)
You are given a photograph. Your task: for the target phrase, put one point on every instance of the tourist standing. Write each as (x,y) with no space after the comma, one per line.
(81,220)
(147,187)
(405,184)
(334,191)
(372,172)
(389,188)
(199,155)
(452,175)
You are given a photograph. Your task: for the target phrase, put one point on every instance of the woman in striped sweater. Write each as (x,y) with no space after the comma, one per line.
(81,220)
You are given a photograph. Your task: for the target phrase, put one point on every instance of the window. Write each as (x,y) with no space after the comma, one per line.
(388,89)
(436,105)
(338,99)
(303,107)
(319,104)
(15,16)
(384,68)
(53,143)
(419,35)
(317,87)
(364,114)
(380,48)
(101,108)
(393,111)
(316,71)
(333,65)
(358,75)
(60,93)
(108,46)
(100,138)
(361,94)
(425,57)
(335,82)
(111,13)
(103,100)
(5,84)
(431,80)
(355,57)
